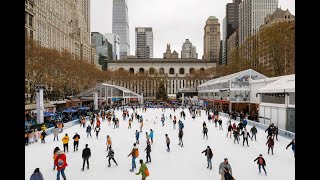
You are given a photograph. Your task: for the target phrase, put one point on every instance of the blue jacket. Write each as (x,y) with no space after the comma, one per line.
(245,122)
(137,134)
(151,134)
(36,176)
(181,126)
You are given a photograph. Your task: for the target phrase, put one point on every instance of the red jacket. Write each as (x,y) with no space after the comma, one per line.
(61,157)
(270,142)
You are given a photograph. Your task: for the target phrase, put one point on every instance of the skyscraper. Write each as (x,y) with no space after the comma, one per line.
(144,42)
(114,40)
(211,40)
(120,25)
(188,51)
(252,14)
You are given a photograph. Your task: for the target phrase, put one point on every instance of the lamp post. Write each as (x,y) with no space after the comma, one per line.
(39,103)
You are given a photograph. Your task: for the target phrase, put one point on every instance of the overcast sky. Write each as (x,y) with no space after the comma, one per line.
(172,21)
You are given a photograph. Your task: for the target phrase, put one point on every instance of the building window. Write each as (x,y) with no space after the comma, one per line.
(25,18)
(161,71)
(30,20)
(26,32)
(191,71)
(201,69)
(181,71)
(151,71)
(131,71)
(141,70)
(171,71)
(31,34)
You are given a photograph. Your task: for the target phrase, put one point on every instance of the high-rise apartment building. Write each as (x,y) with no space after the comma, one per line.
(211,40)
(223,47)
(64,25)
(120,25)
(144,42)
(188,50)
(103,48)
(251,16)
(114,40)
(29,19)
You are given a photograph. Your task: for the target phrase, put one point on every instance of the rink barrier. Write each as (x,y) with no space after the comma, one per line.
(66,125)
(281,132)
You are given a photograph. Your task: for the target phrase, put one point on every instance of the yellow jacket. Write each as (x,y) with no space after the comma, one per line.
(65,139)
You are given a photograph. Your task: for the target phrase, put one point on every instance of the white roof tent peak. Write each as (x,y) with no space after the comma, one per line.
(108,91)
(228,77)
(282,85)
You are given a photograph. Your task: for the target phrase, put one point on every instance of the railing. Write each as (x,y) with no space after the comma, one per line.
(281,132)
(66,125)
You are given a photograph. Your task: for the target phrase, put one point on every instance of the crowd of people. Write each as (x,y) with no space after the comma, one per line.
(236,129)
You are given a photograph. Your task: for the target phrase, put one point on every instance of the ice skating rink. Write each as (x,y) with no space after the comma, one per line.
(180,163)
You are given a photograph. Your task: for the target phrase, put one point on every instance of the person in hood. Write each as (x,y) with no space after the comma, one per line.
(142,170)
(37,175)
(111,156)
(134,155)
(270,144)
(76,138)
(261,163)
(209,154)
(61,163)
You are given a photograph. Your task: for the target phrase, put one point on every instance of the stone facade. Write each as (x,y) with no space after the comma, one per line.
(64,25)
(29,22)
(144,42)
(211,40)
(174,71)
(233,46)
(169,55)
(188,51)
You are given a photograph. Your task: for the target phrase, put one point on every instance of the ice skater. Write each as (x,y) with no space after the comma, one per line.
(151,135)
(88,130)
(205,132)
(86,154)
(168,142)
(137,134)
(220,124)
(293,146)
(254,132)
(245,134)
(109,142)
(236,135)
(270,144)
(76,138)
(180,135)
(65,141)
(148,150)
(97,130)
(209,154)
(229,130)
(111,156)
(261,163)
(134,153)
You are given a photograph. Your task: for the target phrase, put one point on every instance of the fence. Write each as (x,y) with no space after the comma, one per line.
(281,132)
(66,125)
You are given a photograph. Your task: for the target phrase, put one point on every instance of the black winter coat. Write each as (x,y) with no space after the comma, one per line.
(148,148)
(86,153)
(208,153)
(111,153)
(228,176)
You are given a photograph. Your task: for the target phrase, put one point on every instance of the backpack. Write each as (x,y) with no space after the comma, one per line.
(60,162)
(136,153)
(147,172)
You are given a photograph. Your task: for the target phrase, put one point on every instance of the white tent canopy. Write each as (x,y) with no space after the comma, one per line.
(284,84)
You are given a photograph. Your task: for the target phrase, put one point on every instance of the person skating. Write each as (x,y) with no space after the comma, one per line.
(92,123)
(162,119)
(88,130)
(236,135)
(137,134)
(220,124)
(209,154)
(181,125)
(55,154)
(142,170)
(240,125)
(261,163)
(134,153)
(111,156)
(65,141)
(227,175)
(209,118)
(204,124)
(97,130)
(229,130)
(174,123)
(270,144)
(168,142)
(36,175)
(254,132)
(245,134)
(234,126)
(275,132)
(43,136)
(86,154)
(180,135)
(141,125)
(76,138)
(56,133)
(61,163)
(215,122)
(109,142)
(270,130)
(129,122)
(147,137)
(148,150)
(151,135)
(222,166)
(205,132)
(293,146)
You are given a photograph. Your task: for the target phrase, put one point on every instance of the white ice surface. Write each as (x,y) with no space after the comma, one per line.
(181,163)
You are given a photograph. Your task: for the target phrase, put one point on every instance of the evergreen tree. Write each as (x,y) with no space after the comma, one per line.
(161,92)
